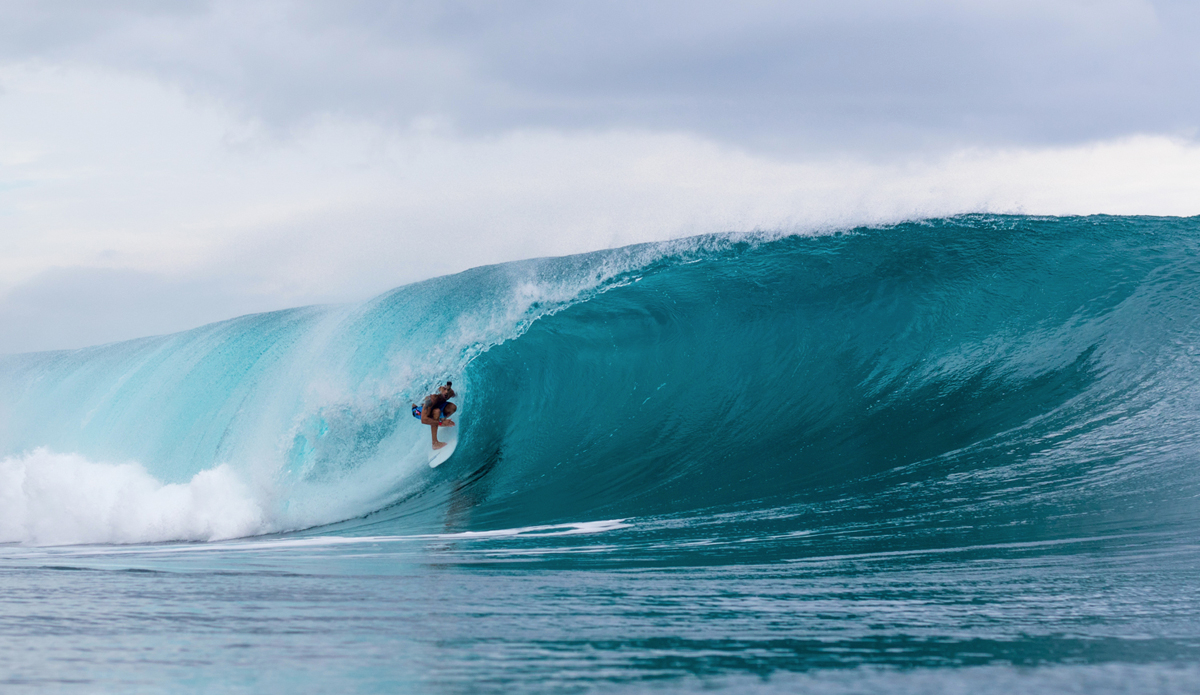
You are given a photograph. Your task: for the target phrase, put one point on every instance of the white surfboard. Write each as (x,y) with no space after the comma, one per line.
(450,436)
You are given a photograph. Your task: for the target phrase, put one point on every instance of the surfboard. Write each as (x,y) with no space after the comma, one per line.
(450,436)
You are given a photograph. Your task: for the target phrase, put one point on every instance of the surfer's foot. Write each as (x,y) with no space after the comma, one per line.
(438,445)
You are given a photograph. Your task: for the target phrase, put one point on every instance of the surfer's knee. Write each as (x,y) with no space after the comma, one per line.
(449,410)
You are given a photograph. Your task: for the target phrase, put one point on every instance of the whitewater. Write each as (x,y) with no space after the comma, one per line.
(938,456)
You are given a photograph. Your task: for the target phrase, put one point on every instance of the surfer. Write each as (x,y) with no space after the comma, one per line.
(435,411)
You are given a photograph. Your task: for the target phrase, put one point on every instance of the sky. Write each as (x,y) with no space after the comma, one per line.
(165,165)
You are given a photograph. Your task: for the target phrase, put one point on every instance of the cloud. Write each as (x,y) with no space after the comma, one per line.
(74,307)
(151,213)
(167,165)
(862,75)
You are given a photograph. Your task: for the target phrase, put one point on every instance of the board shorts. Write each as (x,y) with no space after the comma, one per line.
(416,411)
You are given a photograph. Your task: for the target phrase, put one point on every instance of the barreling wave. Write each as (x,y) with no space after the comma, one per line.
(1033,376)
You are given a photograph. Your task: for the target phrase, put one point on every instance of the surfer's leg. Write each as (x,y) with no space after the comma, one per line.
(433,427)
(433,418)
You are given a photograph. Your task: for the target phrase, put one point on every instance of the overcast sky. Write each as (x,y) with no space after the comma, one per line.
(163,165)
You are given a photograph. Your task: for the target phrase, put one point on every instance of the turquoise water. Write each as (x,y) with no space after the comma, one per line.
(954,455)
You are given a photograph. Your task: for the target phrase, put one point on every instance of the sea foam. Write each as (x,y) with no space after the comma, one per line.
(48,498)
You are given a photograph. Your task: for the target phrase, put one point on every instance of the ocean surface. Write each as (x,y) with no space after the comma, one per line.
(949,456)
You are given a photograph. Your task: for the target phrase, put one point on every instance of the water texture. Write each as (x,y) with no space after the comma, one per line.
(943,456)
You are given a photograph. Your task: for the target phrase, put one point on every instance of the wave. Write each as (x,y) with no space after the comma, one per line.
(1031,376)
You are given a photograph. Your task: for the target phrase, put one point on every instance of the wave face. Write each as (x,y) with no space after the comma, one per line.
(1022,378)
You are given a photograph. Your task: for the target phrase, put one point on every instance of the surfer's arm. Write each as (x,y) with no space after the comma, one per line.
(439,419)
(427,417)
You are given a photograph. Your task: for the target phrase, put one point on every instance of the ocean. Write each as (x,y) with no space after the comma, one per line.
(944,456)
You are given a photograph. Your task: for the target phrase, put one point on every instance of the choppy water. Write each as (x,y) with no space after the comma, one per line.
(949,456)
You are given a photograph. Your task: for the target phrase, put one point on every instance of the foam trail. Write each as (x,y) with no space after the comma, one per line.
(64,499)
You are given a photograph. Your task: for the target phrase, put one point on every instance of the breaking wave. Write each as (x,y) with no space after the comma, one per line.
(1024,378)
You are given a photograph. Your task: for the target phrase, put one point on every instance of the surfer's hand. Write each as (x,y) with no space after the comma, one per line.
(447,423)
